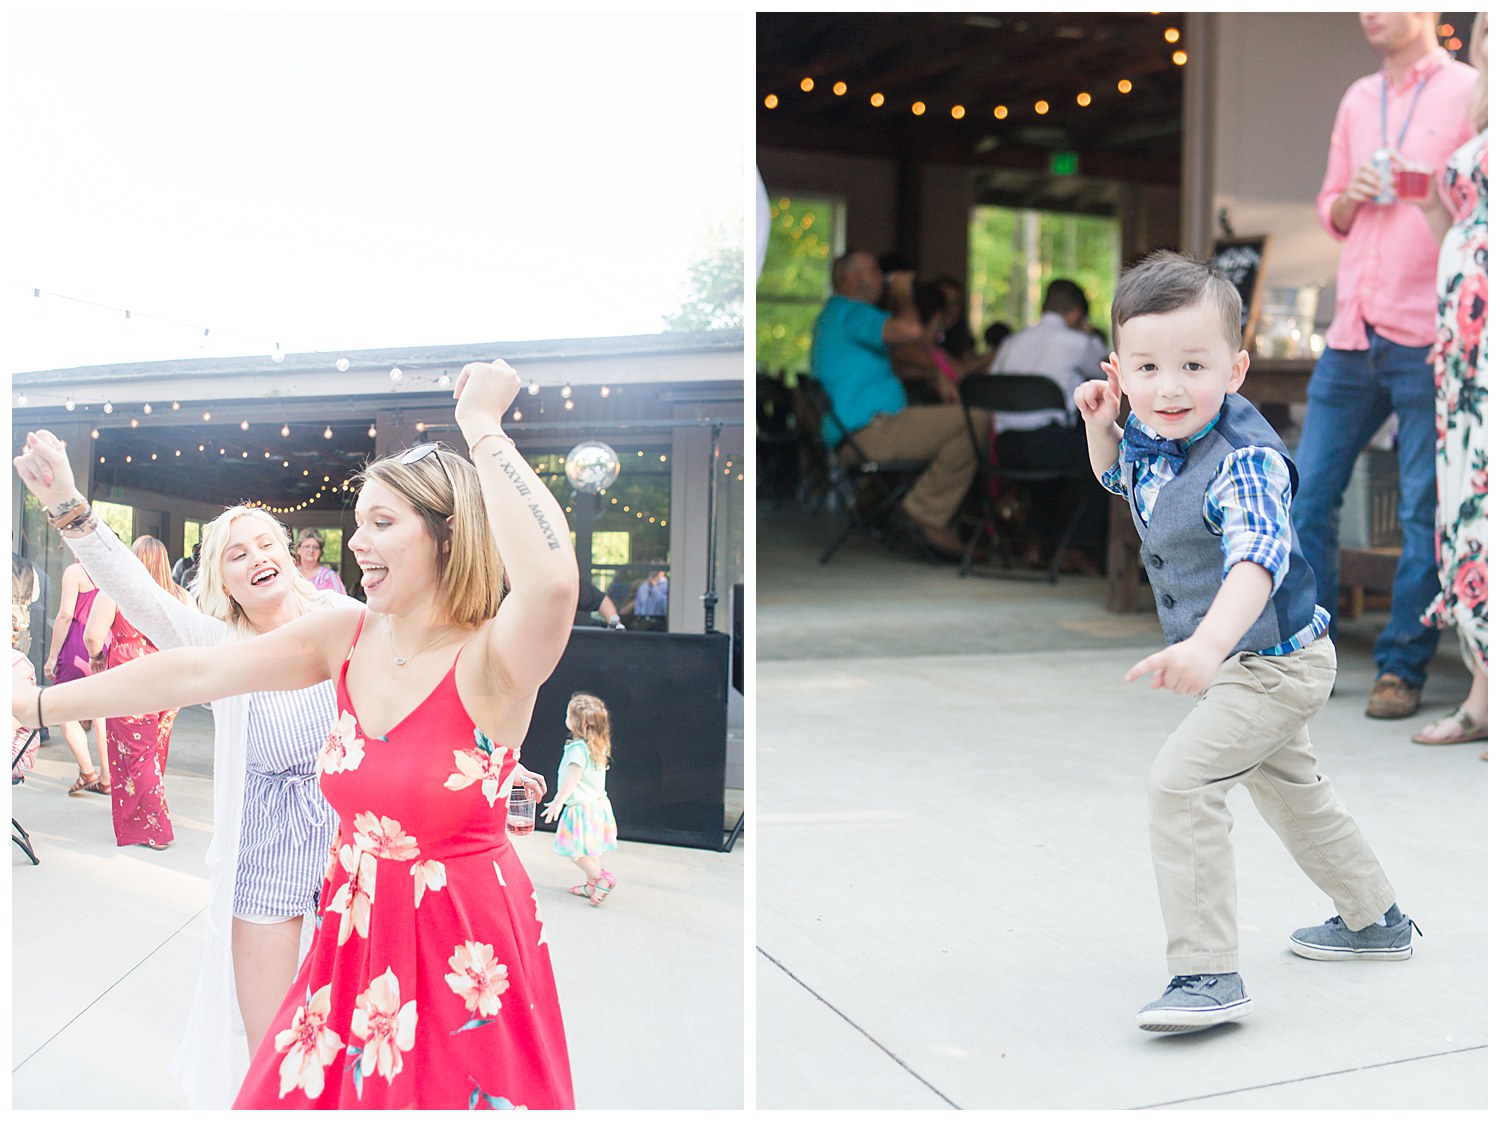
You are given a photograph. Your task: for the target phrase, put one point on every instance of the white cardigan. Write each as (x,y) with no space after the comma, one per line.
(213,1056)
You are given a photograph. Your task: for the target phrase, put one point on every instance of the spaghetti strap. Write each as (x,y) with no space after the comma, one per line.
(358,627)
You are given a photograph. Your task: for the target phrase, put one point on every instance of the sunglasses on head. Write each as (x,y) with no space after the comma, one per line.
(421,452)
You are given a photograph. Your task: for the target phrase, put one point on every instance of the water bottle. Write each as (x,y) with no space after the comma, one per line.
(1380,160)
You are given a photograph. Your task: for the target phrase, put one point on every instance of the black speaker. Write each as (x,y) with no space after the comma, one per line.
(738,649)
(668,695)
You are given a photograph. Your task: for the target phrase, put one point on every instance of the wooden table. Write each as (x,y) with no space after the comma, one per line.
(1271,386)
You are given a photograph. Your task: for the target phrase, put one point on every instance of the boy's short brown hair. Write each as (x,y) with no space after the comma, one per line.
(1165,281)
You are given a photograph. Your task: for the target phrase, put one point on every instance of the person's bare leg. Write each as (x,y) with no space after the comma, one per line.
(265,964)
(102,743)
(78,743)
(590,867)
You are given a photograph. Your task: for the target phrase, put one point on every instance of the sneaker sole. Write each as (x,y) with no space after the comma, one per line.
(1339,954)
(1191,1020)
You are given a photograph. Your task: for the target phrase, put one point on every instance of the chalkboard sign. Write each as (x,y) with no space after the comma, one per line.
(1243,261)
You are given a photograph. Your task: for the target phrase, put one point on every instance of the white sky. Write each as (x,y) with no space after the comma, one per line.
(367,177)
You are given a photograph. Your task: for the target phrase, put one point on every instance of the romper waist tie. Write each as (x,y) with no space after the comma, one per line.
(293,800)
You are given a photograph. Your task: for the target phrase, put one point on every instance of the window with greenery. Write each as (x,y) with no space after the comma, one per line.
(630,536)
(118,517)
(806,235)
(1015,254)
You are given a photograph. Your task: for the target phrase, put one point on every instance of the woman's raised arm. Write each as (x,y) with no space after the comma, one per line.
(527,636)
(162,617)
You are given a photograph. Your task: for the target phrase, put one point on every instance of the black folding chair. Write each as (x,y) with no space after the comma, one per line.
(1010,393)
(870,490)
(18,834)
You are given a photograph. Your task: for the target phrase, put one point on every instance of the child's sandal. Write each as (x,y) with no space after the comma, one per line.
(602,888)
(583,889)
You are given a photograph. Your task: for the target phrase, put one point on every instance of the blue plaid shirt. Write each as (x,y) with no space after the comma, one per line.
(1248,504)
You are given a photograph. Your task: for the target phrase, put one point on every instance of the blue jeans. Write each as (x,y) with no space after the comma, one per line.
(1350,394)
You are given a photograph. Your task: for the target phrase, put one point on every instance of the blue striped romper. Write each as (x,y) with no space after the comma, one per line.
(286,825)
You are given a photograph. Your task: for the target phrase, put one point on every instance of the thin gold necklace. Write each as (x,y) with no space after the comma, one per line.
(391,642)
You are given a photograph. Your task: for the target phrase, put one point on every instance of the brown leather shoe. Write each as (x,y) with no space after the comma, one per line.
(1392,698)
(943,542)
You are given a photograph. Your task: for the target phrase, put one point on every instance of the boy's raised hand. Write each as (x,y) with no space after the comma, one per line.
(1187,667)
(1098,401)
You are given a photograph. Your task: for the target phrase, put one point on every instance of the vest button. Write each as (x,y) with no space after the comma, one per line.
(1156,561)
(1167,601)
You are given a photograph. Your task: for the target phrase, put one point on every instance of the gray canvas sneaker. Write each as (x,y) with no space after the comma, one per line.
(1332,940)
(1196,1001)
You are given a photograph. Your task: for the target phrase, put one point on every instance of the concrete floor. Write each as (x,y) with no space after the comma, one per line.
(955,903)
(106,945)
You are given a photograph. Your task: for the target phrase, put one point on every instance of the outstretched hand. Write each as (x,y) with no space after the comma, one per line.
(551,811)
(1098,400)
(484,391)
(43,466)
(1185,668)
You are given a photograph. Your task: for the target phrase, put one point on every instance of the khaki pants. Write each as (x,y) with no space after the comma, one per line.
(1250,727)
(929,431)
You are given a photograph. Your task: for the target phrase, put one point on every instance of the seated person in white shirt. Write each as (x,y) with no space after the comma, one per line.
(1063,347)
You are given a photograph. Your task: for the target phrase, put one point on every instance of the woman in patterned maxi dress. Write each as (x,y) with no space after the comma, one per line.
(136,742)
(429,982)
(1461,358)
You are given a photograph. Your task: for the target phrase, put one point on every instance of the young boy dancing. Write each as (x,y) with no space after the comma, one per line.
(1210,488)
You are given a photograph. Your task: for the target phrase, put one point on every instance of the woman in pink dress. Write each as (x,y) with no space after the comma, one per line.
(69,660)
(429,982)
(310,562)
(136,743)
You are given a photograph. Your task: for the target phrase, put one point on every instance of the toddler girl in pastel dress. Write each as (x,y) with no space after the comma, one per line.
(585,820)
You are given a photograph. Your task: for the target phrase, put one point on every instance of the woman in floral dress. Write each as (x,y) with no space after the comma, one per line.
(1459,213)
(137,742)
(429,982)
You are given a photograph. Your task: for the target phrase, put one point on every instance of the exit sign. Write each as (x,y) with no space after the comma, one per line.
(1065,163)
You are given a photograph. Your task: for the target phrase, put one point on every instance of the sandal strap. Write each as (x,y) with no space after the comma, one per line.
(1464,720)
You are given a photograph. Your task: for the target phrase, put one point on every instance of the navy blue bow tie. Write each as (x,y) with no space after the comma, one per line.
(1141,446)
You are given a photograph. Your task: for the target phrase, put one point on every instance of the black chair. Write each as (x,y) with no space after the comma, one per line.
(869,490)
(1011,393)
(775,438)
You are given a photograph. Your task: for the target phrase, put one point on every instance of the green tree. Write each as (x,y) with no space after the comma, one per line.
(715,299)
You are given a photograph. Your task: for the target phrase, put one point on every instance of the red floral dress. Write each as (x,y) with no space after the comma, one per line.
(137,746)
(1461,358)
(429,982)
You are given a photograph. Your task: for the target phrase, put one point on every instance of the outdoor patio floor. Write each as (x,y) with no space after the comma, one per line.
(955,901)
(106,945)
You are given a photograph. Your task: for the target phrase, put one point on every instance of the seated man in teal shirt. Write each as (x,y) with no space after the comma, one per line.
(850,357)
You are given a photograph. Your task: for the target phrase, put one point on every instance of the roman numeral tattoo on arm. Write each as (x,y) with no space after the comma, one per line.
(536,510)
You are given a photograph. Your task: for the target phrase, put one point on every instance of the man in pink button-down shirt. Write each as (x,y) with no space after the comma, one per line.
(1377,358)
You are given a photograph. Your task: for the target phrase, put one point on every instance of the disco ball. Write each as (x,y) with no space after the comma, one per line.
(592,466)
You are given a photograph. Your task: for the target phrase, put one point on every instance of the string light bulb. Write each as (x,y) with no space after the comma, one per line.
(69,405)
(772,101)
(603,391)
(533,389)
(207,416)
(109,407)
(341,365)
(244,426)
(146,408)
(567,391)
(371,432)
(395,373)
(327,435)
(21,400)
(286,430)
(277,355)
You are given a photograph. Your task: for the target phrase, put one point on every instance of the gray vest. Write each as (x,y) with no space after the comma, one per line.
(1184,559)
